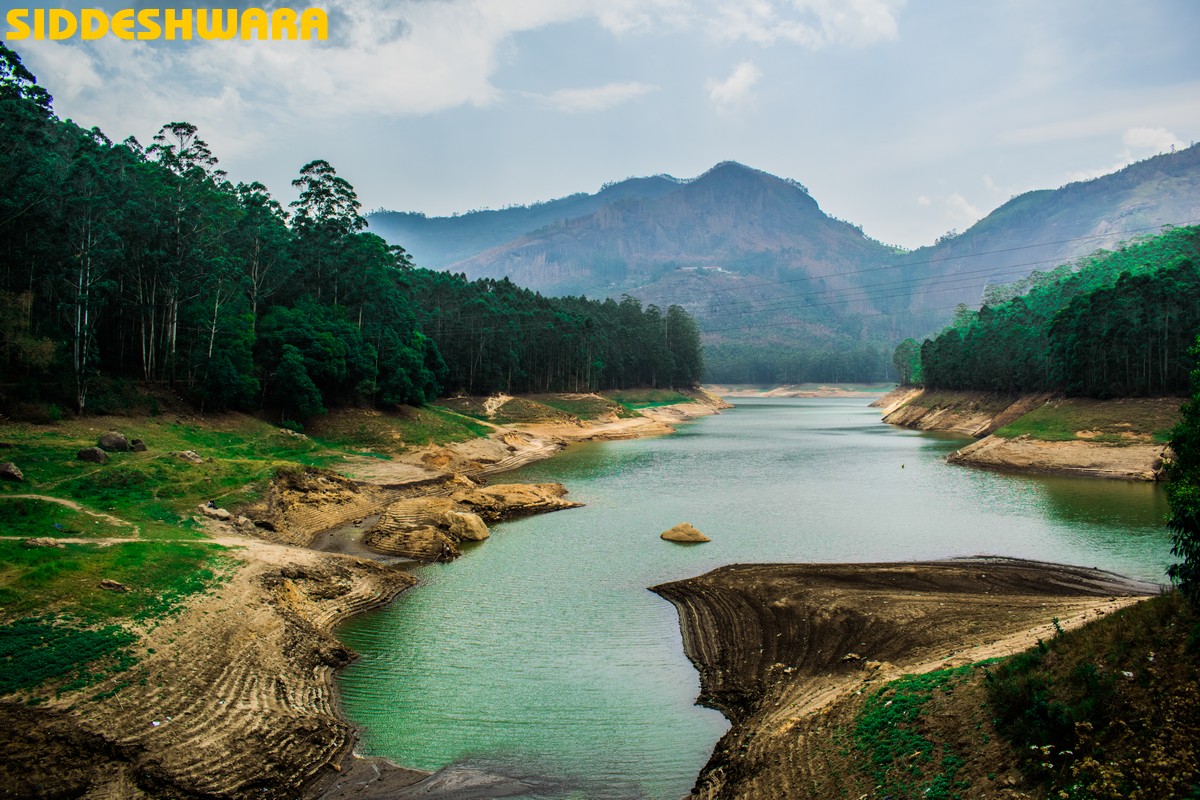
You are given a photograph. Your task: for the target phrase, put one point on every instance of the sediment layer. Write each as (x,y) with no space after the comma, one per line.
(777,644)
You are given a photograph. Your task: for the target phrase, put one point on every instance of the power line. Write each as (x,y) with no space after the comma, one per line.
(957,257)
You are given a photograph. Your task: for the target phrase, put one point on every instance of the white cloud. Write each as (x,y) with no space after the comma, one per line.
(1158,140)
(963,208)
(736,89)
(1139,143)
(924,201)
(811,23)
(597,98)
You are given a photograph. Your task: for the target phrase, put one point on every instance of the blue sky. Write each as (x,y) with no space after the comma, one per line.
(908,118)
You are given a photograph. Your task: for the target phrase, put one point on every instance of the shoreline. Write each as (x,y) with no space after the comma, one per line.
(778,646)
(234,695)
(378,778)
(1050,435)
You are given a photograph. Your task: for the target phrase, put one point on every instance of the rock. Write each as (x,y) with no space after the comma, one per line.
(466,527)
(215,513)
(92,454)
(191,456)
(42,541)
(137,446)
(11,472)
(684,532)
(507,500)
(852,657)
(113,586)
(425,542)
(114,442)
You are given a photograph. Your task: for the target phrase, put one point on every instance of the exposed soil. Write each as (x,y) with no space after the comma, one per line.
(1136,461)
(230,698)
(975,414)
(781,647)
(1125,452)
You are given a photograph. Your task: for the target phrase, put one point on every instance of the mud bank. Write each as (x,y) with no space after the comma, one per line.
(778,646)
(1118,439)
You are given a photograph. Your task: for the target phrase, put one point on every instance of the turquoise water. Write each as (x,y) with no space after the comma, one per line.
(542,653)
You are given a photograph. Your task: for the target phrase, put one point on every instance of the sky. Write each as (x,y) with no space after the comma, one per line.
(910,118)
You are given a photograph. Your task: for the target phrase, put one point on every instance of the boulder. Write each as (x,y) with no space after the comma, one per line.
(11,472)
(137,446)
(212,512)
(42,541)
(466,527)
(92,454)
(113,586)
(114,442)
(684,532)
(191,456)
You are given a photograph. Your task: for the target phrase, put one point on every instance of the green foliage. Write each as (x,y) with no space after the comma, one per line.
(123,262)
(1116,324)
(1107,711)
(35,650)
(1183,492)
(1118,422)
(903,761)
(160,575)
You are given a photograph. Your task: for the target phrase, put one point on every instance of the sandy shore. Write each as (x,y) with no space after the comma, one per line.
(779,645)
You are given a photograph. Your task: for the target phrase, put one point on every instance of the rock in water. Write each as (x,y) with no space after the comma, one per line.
(466,527)
(11,472)
(684,532)
(92,454)
(114,442)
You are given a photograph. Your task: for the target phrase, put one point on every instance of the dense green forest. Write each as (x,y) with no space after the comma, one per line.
(120,262)
(1116,324)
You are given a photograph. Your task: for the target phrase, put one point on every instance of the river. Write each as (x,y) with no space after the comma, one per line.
(540,652)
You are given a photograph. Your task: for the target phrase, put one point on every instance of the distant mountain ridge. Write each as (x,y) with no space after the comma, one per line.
(782,290)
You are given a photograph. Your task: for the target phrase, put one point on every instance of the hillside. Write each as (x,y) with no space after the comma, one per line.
(784,292)
(1041,229)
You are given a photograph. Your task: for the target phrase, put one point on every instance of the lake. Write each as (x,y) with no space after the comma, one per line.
(541,652)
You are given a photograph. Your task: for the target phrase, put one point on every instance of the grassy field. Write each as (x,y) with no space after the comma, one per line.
(127,522)
(1109,421)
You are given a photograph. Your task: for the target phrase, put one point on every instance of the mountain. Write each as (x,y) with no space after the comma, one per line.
(1040,229)
(437,242)
(783,291)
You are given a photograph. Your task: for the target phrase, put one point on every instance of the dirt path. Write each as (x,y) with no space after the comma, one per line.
(71,504)
(777,644)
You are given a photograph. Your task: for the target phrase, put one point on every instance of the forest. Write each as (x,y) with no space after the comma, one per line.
(1114,324)
(128,263)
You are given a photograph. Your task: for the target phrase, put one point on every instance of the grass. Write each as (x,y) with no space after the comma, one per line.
(38,650)
(1109,710)
(1108,421)
(647,398)
(584,406)
(891,732)
(392,433)
(160,576)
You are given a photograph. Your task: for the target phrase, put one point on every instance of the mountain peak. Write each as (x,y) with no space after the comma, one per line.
(727,172)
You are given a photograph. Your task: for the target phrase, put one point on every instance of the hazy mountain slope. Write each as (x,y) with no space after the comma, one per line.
(1041,229)
(436,242)
(775,282)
